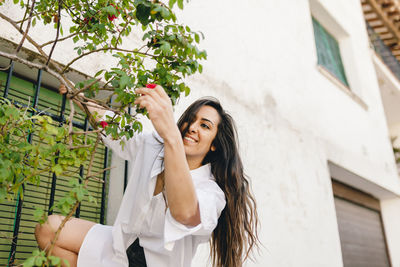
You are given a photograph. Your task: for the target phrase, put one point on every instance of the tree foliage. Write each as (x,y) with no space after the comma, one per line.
(168,53)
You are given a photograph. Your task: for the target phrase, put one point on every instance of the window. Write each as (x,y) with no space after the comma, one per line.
(328,52)
(16,219)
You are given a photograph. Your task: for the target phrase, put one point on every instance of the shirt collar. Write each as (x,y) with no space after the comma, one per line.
(202,172)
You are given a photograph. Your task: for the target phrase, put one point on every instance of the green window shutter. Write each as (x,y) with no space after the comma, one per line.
(49,101)
(328,52)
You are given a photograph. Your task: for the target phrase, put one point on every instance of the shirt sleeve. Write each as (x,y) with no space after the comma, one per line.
(211,201)
(128,151)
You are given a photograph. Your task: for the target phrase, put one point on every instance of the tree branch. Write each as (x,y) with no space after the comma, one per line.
(57,34)
(27,28)
(87,132)
(105,49)
(5,68)
(53,242)
(53,73)
(81,146)
(39,49)
(123,29)
(24,18)
(30,176)
(85,88)
(89,171)
(59,40)
(71,117)
(98,173)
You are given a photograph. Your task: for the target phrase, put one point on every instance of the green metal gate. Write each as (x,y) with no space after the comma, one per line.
(16,218)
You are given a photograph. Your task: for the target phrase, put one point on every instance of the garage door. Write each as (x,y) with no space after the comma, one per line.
(360,228)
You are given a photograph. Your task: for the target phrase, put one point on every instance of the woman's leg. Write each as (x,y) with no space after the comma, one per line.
(70,239)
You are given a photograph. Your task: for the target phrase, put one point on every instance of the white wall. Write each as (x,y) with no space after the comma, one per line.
(291,119)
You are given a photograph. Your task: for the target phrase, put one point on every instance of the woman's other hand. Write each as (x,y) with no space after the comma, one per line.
(92,107)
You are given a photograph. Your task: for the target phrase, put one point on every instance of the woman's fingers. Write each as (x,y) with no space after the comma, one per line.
(156,101)
(146,101)
(161,92)
(146,91)
(154,90)
(158,96)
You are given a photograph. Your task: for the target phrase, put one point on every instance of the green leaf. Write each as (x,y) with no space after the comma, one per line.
(57,169)
(143,13)
(110,10)
(165,13)
(66,263)
(166,48)
(171,3)
(38,213)
(33,22)
(113,41)
(98,73)
(123,81)
(55,260)
(80,194)
(38,261)
(92,199)
(31,260)
(197,38)
(187,91)
(180,4)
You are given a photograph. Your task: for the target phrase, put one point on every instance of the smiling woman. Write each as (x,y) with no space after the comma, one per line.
(187,185)
(200,135)
(236,232)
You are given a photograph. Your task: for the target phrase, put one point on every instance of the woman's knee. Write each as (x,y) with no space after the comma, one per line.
(44,233)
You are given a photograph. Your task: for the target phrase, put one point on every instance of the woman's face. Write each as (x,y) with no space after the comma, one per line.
(201,133)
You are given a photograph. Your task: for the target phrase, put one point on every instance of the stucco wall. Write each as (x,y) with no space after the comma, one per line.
(291,119)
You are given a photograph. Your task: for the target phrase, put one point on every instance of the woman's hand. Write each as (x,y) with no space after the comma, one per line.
(159,107)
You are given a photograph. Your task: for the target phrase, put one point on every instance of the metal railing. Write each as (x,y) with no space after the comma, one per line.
(384,52)
(60,118)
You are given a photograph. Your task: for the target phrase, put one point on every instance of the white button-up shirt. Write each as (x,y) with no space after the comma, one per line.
(166,242)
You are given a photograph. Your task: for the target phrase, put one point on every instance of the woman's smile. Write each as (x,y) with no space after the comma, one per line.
(190,139)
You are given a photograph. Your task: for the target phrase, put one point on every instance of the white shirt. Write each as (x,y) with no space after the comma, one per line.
(165,241)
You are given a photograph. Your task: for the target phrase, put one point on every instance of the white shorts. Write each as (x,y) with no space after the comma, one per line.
(96,249)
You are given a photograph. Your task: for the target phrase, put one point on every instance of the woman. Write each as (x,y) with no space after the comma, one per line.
(180,180)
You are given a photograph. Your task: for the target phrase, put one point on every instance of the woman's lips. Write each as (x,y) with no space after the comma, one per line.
(190,139)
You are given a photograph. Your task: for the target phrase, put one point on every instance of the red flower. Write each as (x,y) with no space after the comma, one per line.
(151,85)
(103,124)
(112,17)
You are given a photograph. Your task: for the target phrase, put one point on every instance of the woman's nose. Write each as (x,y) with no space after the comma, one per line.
(193,128)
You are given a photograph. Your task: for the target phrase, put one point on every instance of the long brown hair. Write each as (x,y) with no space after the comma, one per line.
(236,233)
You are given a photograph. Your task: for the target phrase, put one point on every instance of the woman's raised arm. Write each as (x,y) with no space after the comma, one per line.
(180,191)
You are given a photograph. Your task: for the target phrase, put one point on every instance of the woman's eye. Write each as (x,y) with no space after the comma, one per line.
(205,126)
